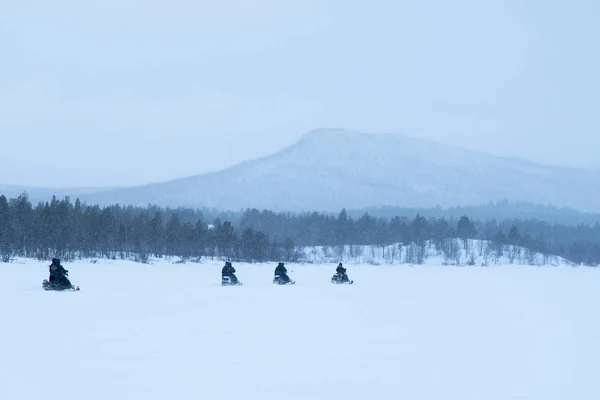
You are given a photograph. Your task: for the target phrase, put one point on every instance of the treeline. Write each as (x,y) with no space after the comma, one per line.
(69,230)
(499,210)
(576,243)
(72,229)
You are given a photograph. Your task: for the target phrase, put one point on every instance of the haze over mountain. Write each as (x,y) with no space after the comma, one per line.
(43,194)
(327,170)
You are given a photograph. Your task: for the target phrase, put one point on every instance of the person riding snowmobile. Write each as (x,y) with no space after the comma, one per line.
(281,271)
(341,272)
(58,274)
(229,271)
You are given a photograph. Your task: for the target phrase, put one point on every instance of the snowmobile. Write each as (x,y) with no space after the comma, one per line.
(227,281)
(341,279)
(278,281)
(57,286)
(61,284)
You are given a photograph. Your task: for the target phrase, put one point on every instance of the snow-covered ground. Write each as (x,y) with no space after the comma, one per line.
(167,331)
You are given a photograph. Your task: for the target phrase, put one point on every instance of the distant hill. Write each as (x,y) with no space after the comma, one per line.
(327,170)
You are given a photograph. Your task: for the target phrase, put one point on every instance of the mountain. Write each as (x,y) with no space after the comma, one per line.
(327,170)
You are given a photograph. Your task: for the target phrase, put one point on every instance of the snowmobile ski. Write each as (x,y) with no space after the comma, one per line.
(47,286)
(337,279)
(343,283)
(279,282)
(226,281)
(231,284)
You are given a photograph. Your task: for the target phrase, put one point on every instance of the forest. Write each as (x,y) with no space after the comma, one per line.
(72,230)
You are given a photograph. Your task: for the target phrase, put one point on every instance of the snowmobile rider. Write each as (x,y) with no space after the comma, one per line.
(282,272)
(341,271)
(58,274)
(229,271)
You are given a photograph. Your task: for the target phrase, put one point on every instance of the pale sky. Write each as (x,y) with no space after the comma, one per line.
(124,92)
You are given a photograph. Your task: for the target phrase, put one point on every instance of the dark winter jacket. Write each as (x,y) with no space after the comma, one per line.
(280,270)
(340,270)
(57,271)
(228,270)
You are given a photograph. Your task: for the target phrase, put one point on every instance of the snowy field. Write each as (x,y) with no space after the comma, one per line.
(169,331)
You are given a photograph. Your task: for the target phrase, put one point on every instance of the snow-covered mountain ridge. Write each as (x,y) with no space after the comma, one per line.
(327,170)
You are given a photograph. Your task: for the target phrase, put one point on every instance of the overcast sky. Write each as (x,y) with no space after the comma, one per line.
(123,92)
